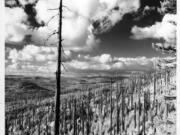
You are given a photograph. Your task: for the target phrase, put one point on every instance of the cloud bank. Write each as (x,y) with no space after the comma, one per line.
(163,32)
(32,22)
(105,63)
(78,22)
(43,60)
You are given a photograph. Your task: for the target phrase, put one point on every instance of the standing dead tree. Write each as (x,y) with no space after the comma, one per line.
(111,106)
(58,76)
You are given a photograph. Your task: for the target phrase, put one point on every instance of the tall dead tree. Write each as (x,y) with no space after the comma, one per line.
(58,75)
(111,88)
(154,98)
(117,109)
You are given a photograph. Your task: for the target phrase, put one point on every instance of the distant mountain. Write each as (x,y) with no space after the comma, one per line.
(27,85)
(20,87)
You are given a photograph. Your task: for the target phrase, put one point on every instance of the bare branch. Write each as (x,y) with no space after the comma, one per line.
(53,33)
(64,67)
(52,18)
(55,43)
(64,54)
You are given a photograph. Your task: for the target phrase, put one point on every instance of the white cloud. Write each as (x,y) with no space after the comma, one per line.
(13,55)
(77,24)
(84,65)
(31,69)
(15,29)
(107,63)
(76,27)
(165,30)
(107,17)
(67,53)
(118,65)
(50,67)
(33,53)
(103,58)
(44,60)
(34,58)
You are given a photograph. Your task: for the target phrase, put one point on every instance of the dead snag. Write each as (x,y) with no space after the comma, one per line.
(144,110)
(111,107)
(135,115)
(139,108)
(154,100)
(117,109)
(74,119)
(88,114)
(82,116)
(122,109)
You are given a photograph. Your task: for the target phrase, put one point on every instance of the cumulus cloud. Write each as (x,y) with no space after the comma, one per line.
(104,58)
(34,58)
(43,60)
(32,53)
(15,29)
(111,12)
(77,29)
(27,68)
(107,63)
(78,23)
(164,31)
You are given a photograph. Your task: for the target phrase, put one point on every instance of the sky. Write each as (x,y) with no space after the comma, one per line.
(100,36)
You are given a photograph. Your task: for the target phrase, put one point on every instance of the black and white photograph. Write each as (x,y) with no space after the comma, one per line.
(90,67)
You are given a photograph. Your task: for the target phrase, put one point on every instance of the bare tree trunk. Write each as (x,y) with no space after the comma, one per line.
(6,127)
(47,126)
(39,128)
(135,115)
(58,76)
(117,108)
(111,107)
(82,117)
(144,115)
(88,113)
(154,90)
(122,108)
(74,118)
(139,107)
